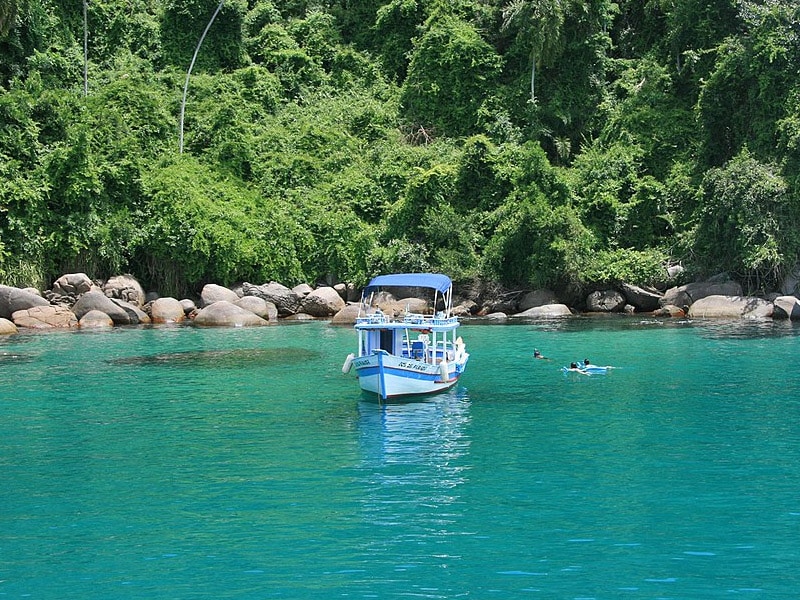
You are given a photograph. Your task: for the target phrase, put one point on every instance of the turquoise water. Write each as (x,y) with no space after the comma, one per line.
(185,463)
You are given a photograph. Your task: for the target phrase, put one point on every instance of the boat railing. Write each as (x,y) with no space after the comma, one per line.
(438,320)
(375,318)
(414,319)
(410,319)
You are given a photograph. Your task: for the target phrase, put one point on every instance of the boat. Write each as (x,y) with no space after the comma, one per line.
(413,353)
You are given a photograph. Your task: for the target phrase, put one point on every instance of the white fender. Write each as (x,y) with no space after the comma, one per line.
(348,362)
(460,350)
(444,370)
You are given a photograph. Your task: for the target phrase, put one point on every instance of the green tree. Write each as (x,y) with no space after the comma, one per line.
(452,71)
(183,23)
(748,222)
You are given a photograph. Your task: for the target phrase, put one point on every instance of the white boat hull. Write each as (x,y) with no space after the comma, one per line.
(390,376)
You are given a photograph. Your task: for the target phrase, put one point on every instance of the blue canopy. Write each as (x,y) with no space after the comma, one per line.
(435,281)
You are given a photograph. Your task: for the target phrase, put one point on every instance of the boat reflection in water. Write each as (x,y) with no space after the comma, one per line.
(415,460)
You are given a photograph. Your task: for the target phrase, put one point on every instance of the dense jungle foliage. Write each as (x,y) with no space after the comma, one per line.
(559,143)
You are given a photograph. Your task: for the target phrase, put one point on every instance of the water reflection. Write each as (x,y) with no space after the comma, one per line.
(415,460)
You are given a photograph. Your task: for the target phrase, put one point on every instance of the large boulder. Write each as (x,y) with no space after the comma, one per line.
(188,305)
(347,315)
(258,306)
(547,311)
(786,307)
(302,290)
(285,300)
(216,293)
(731,307)
(685,295)
(167,310)
(227,314)
(45,317)
(643,300)
(7,327)
(605,301)
(95,319)
(125,288)
(791,283)
(13,299)
(95,300)
(343,290)
(72,284)
(136,315)
(407,306)
(537,298)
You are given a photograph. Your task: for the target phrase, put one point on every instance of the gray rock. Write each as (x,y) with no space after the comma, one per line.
(188,306)
(13,299)
(791,284)
(346,316)
(685,295)
(216,293)
(125,288)
(302,290)
(286,301)
(496,316)
(95,319)
(341,289)
(731,307)
(414,306)
(72,284)
(7,327)
(669,310)
(605,301)
(537,298)
(167,310)
(786,307)
(641,299)
(136,316)
(45,317)
(353,293)
(322,302)
(95,300)
(548,311)
(258,306)
(227,314)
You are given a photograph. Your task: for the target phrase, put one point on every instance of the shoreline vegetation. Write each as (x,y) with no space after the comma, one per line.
(559,145)
(77,302)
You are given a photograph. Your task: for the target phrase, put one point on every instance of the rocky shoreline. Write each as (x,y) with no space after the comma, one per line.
(76,301)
